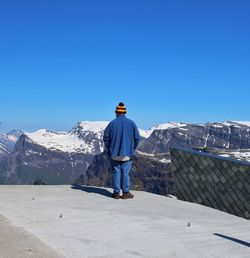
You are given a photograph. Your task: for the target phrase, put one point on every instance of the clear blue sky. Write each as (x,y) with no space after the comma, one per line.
(68,61)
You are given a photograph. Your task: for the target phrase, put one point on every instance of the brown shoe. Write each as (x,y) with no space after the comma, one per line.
(127,195)
(116,195)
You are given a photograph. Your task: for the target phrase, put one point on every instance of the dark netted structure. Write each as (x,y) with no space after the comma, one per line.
(211,180)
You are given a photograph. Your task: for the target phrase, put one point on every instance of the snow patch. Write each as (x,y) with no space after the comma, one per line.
(144,133)
(70,141)
(241,155)
(247,123)
(230,123)
(93,126)
(64,142)
(165,126)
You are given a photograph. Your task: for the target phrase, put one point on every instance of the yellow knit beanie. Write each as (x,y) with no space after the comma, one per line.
(120,109)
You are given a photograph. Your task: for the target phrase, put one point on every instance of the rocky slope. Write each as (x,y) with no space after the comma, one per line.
(148,174)
(8,141)
(53,157)
(31,163)
(227,135)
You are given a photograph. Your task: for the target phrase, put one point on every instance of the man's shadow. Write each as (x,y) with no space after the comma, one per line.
(92,189)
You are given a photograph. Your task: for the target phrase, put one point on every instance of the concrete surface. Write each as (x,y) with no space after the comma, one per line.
(15,242)
(86,222)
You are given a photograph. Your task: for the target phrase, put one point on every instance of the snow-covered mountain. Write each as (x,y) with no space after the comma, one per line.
(3,150)
(8,141)
(231,135)
(247,123)
(165,126)
(85,137)
(5,144)
(14,135)
(61,157)
(147,133)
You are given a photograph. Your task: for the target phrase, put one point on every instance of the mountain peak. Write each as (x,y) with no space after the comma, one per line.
(92,126)
(167,125)
(247,123)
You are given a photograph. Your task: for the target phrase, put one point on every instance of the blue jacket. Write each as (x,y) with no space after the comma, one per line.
(121,137)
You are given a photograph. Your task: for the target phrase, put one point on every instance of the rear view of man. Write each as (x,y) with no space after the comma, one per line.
(121,137)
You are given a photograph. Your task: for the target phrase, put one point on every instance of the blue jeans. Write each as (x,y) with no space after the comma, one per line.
(121,168)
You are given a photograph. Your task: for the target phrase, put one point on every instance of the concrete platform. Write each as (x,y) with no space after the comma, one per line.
(17,242)
(86,222)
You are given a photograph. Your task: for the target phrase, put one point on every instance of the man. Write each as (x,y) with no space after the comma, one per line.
(121,137)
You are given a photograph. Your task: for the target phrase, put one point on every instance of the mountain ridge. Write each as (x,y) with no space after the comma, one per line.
(65,157)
